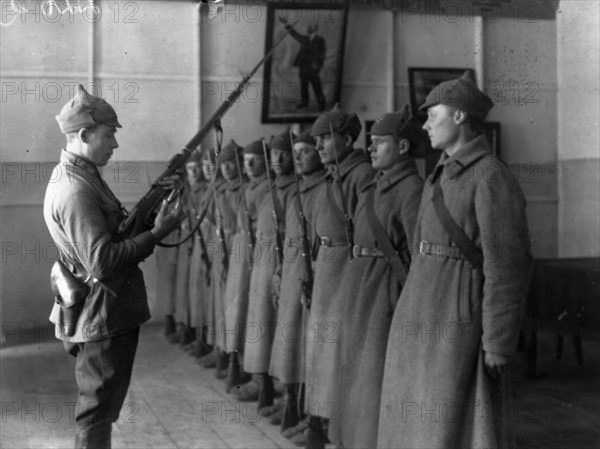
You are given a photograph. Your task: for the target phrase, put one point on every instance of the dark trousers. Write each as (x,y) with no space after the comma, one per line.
(103,372)
(311,76)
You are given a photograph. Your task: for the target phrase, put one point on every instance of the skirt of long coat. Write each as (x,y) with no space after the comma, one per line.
(236,292)
(166,275)
(218,285)
(260,325)
(436,392)
(182,290)
(371,293)
(199,289)
(323,333)
(288,344)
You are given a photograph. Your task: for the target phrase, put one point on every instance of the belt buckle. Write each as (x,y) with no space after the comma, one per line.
(325,242)
(423,247)
(356,251)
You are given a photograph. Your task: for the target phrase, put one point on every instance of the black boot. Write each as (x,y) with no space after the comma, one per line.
(97,437)
(222,363)
(291,414)
(187,335)
(315,434)
(235,372)
(170,327)
(266,393)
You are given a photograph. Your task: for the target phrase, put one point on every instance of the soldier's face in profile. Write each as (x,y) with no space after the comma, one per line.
(254,165)
(384,152)
(229,170)
(193,172)
(328,144)
(100,142)
(307,158)
(441,126)
(281,161)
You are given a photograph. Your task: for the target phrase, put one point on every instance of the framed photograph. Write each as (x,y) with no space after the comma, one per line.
(422,79)
(492,132)
(303,76)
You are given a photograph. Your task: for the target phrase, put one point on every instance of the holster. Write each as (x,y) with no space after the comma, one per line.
(69,293)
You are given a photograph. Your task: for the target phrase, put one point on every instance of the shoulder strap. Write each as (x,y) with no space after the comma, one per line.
(390,253)
(456,233)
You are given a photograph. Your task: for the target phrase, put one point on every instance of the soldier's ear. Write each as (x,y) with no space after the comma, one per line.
(403,147)
(84,135)
(460,116)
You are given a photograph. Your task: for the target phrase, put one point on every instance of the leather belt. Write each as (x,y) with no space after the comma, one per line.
(292,242)
(361,251)
(327,242)
(435,249)
(265,235)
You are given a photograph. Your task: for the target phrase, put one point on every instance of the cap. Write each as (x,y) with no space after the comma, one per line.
(305,137)
(195,157)
(255,147)
(340,121)
(230,151)
(208,155)
(85,110)
(463,94)
(282,141)
(402,124)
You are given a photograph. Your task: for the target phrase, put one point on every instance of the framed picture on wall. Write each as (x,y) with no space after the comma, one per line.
(422,79)
(303,76)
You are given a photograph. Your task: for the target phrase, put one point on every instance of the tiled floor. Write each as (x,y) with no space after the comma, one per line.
(173,403)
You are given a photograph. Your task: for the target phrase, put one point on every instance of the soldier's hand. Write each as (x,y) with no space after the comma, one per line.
(166,221)
(495,364)
(171,182)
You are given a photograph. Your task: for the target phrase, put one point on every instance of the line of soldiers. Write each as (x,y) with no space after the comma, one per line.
(332,278)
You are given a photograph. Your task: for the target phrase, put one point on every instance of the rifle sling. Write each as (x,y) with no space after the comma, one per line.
(473,254)
(389,252)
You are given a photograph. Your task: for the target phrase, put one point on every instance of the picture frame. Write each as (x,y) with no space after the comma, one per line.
(303,76)
(422,79)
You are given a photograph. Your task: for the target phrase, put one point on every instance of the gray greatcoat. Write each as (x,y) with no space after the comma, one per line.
(371,290)
(240,266)
(328,299)
(287,358)
(436,392)
(229,198)
(262,314)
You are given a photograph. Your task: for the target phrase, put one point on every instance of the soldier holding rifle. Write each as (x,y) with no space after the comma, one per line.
(287,359)
(83,215)
(349,172)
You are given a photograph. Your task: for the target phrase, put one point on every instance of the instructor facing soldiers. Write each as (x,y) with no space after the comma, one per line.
(82,215)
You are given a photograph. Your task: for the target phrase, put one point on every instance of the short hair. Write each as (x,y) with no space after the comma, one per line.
(74,135)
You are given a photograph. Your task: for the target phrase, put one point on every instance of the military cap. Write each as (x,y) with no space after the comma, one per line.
(230,151)
(208,155)
(340,121)
(401,124)
(463,94)
(305,137)
(195,157)
(255,147)
(282,141)
(85,110)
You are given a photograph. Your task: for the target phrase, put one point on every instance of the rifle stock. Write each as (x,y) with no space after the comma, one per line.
(143,214)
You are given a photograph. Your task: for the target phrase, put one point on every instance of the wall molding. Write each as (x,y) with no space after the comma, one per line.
(31,74)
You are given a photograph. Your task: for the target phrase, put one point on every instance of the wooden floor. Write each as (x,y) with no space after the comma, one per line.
(173,403)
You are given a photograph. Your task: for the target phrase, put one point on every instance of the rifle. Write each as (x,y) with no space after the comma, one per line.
(308,283)
(218,214)
(143,214)
(276,220)
(348,225)
(244,203)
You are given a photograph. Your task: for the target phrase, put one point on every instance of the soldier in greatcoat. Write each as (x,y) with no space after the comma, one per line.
(349,172)
(287,359)
(384,225)
(229,199)
(241,260)
(262,313)
(458,317)
(208,228)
